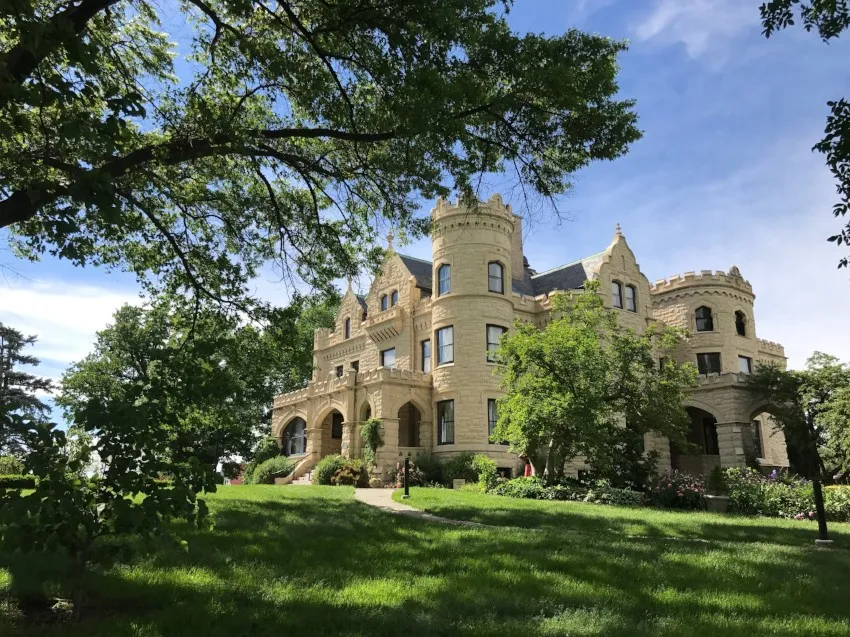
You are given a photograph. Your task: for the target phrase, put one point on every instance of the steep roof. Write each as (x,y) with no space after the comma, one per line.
(566,277)
(420,269)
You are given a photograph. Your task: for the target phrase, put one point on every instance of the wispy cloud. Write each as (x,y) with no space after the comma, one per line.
(699,25)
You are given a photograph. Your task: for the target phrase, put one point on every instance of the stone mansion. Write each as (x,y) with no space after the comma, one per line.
(415,350)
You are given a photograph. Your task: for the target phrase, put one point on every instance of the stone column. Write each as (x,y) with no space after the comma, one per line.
(314,441)
(426,435)
(661,445)
(731,440)
(349,443)
(388,453)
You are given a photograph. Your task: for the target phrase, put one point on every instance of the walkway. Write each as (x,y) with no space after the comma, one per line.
(383,499)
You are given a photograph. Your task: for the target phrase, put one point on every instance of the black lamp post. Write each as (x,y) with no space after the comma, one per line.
(406,477)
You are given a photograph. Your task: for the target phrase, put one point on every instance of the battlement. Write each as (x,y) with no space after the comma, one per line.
(704,278)
(770,346)
(494,203)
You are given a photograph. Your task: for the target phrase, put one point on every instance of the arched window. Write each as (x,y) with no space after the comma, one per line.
(496,277)
(705,322)
(444,279)
(740,323)
(394,298)
(385,303)
(348,328)
(617,294)
(631,298)
(295,438)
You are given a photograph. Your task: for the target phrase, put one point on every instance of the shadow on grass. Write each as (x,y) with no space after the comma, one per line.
(316,564)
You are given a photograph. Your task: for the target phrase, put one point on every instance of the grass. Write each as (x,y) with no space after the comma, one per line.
(311,561)
(592,519)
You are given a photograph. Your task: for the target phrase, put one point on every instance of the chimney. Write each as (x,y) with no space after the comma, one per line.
(517,257)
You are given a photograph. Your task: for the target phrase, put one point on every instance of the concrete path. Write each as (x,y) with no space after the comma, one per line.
(383,499)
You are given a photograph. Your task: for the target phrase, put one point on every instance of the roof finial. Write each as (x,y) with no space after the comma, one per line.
(619,231)
(390,240)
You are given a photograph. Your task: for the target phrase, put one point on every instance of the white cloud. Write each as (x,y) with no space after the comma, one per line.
(64,316)
(696,24)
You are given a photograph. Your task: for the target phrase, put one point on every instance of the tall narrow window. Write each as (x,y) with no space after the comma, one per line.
(347,328)
(631,298)
(295,438)
(339,371)
(617,294)
(446,422)
(394,298)
(708,363)
(355,365)
(426,355)
(388,357)
(705,322)
(494,333)
(740,323)
(445,345)
(492,416)
(745,364)
(496,277)
(336,425)
(757,441)
(444,279)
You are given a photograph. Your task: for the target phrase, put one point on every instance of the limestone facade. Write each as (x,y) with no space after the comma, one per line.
(413,350)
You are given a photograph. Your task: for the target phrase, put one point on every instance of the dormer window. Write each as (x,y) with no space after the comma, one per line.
(496,277)
(705,322)
(740,323)
(631,298)
(617,294)
(347,329)
(444,279)
(394,298)
(385,303)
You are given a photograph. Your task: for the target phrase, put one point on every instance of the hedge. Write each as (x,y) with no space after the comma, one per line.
(17,481)
(277,467)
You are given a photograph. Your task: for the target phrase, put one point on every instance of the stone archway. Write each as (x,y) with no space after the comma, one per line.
(331,427)
(703,438)
(293,437)
(409,420)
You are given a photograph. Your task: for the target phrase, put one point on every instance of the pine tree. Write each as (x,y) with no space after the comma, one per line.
(18,388)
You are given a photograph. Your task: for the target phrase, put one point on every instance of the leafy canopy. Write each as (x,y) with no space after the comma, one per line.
(282,130)
(812,407)
(829,18)
(585,385)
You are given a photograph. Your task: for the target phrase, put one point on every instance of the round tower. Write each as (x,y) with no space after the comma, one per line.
(470,306)
(717,309)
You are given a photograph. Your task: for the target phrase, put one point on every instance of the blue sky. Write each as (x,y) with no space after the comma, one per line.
(724,175)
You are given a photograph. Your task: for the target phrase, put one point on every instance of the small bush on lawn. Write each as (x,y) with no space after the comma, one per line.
(277,467)
(431,467)
(351,473)
(601,492)
(677,490)
(266,449)
(17,481)
(326,468)
(459,467)
(777,495)
(485,469)
(415,475)
(836,501)
(530,487)
(10,466)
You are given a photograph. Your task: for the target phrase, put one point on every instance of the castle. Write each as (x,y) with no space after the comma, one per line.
(415,350)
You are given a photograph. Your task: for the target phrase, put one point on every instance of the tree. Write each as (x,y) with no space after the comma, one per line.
(199,375)
(812,408)
(296,127)
(584,385)
(17,387)
(830,18)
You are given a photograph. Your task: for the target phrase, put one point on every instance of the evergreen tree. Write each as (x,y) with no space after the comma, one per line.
(17,387)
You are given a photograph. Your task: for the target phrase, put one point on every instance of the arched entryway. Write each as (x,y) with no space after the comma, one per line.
(294,438)
(704,454)
(769,448)
(332,428)
(409,419)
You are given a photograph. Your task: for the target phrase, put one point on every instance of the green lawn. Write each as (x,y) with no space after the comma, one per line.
(593,519)
(311,561)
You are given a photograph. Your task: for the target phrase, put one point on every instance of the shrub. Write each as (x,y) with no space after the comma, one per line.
(677,490)
(565,490)
(716,482)
(326,468)
(601,492)
(778,495)
(17,481)
(836,501)
(431,467)
(415,477)
(459,467)
(485,469)
(266,449)
(372,433)
(11,466)
(351,473)
(277,467)
(531,487)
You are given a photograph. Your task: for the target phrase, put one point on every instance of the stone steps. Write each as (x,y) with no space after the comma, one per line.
(305,480)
